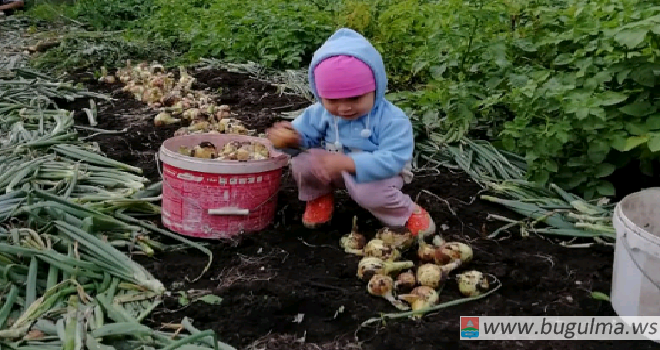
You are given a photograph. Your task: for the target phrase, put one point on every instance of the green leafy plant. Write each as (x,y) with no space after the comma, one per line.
(568,84)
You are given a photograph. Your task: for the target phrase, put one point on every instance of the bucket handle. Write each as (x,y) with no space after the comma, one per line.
(626,245)
(213,211)
(228,211)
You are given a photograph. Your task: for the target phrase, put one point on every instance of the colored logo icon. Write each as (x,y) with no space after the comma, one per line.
(469,327)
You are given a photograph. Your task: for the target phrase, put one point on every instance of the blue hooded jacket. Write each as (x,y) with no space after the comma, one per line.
(389,147)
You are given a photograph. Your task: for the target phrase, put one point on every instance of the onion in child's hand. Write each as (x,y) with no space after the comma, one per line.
(283,137)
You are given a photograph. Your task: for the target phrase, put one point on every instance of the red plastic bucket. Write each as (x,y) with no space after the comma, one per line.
(211,198)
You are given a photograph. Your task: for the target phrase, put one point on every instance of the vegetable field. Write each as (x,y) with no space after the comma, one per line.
(521,138)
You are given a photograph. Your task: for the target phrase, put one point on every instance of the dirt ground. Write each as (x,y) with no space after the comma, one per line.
(292,288)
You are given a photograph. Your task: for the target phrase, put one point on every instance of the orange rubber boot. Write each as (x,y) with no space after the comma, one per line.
(319,211)
(420,223)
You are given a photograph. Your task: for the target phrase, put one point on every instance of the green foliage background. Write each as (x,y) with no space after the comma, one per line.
(571,85)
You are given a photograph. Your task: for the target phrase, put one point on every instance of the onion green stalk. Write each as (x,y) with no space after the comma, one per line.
(104,254)
(93,158)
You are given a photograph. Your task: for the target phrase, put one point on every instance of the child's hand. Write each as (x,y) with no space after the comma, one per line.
(330,166)
(283,135)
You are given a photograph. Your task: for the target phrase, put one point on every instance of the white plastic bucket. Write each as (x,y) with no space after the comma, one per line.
(636,270)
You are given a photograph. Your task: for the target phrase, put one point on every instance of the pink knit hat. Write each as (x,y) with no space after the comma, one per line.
(343,77)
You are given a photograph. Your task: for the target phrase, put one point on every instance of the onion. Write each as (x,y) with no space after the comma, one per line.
(433,275)
(472,283)
(163,119)
(262,150)
(199,125)
(401,238)
(354,241)
(421,297)
(182,131)
(379,249)
(191,114)
(444,253)
(178,107)
(210,110)
(382,286)
(205,150)
(458,250)
(238,129)
(405,282)
(369,265)
(157,82)
(432,254)
(242,154)
(183,150)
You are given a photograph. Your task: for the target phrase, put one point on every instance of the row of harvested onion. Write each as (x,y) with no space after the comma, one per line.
(409,289)
(175,99)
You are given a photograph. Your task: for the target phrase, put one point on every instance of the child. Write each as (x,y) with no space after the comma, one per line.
(368,141)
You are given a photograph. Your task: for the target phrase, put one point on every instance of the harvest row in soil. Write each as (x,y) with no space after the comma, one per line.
(267,280)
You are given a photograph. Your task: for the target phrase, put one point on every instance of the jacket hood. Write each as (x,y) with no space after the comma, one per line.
(348,42)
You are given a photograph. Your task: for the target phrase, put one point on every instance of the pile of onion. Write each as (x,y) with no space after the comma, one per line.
(409,272)
(175,100)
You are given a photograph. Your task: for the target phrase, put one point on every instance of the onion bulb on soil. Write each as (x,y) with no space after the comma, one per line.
(472,283)
(382,286)
(353,242)
(401,238)
(379,249)
(163,119)
(433,275)
(160,90)
(429,253)
(421,297)
(199,125)
(444,253)
(405,282)
(459,250)
(369,266)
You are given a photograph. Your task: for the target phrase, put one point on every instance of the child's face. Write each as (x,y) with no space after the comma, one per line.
(350,108)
